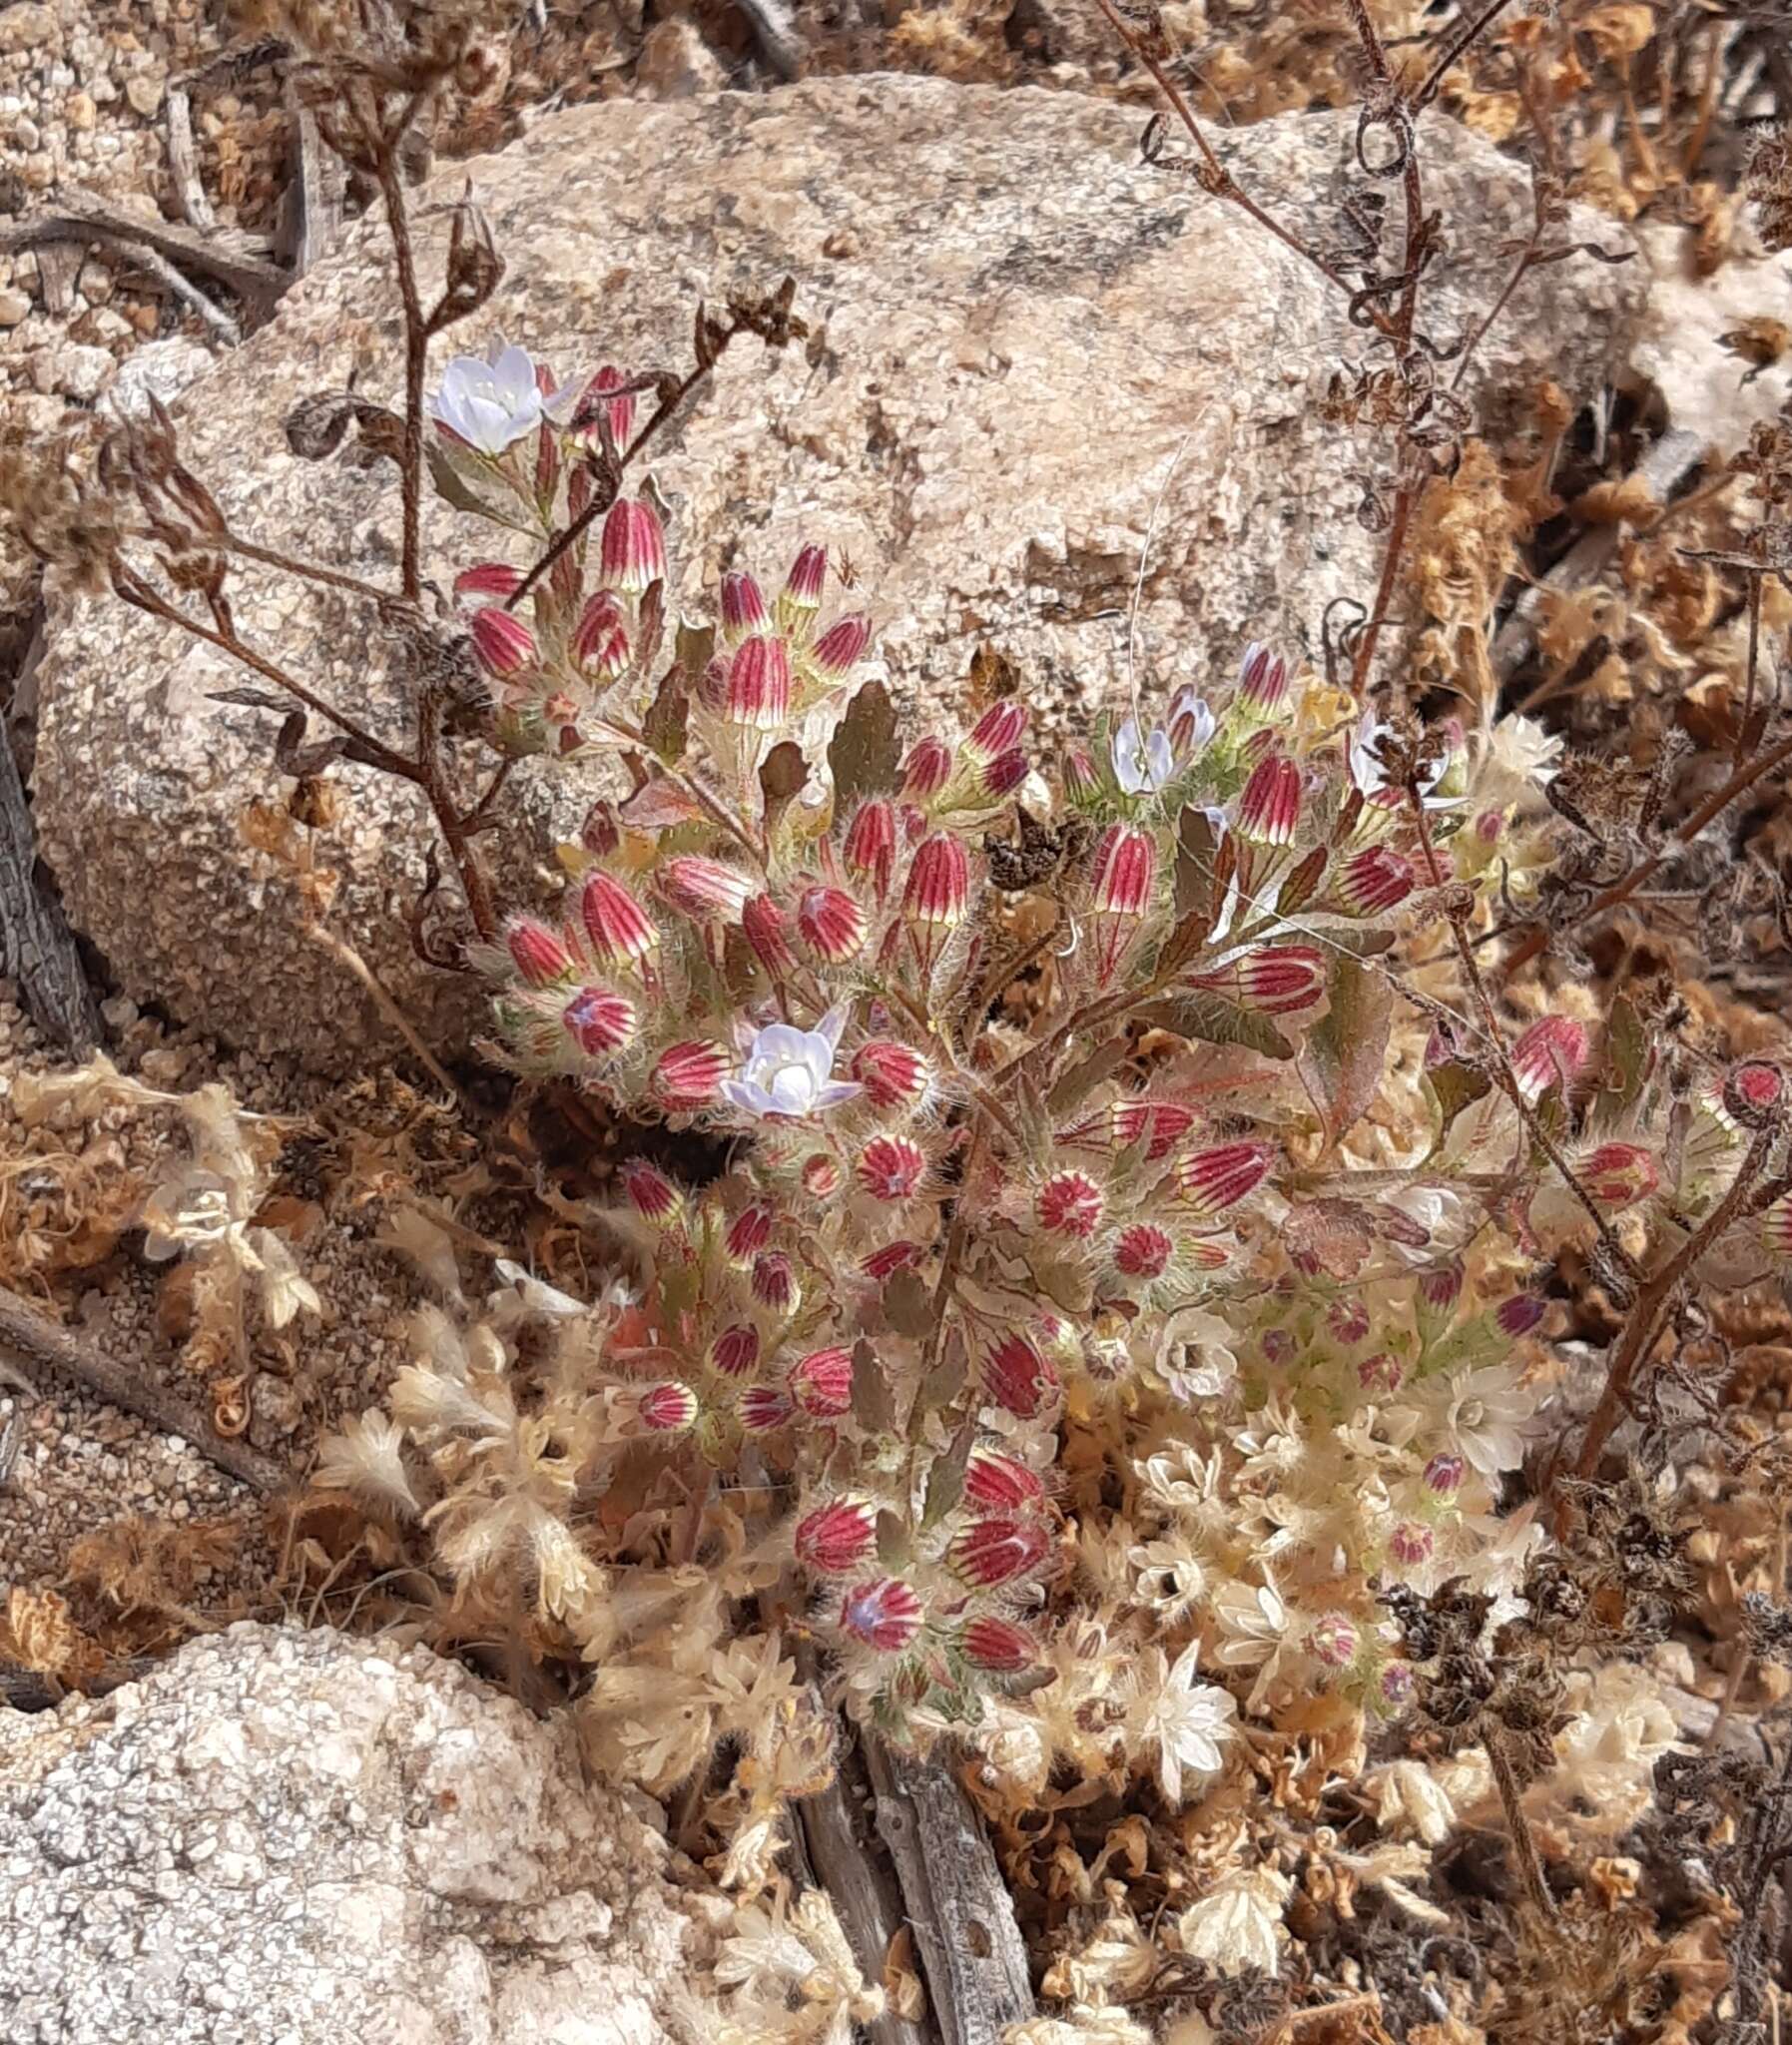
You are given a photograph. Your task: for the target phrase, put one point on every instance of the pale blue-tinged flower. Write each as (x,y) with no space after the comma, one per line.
(1143,761)
(493,399)
(1191,719)
(787,1071)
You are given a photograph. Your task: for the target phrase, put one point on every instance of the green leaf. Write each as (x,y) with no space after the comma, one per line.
(668,718)
(1454,1086)
(1340,1058)
(1208,1018)
(1629,1055)
(454,488)
(1075,1086)
(865,755)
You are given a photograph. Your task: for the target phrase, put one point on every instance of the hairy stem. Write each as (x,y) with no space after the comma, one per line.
(1531,1862)
(416,349)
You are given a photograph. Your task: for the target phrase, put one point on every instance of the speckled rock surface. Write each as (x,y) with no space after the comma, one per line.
(297,1839)
(1024,341)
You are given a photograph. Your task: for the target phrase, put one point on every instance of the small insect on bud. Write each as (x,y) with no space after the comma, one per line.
(831,924)
(706,888)
(743,611)
(539,954)
(1143,1252)
(1218,1177)
(633,552)
(1620,1174)
(1374,880)
(1002,775)
(492,579)
(1411,1543)
(1754,1093)
(1262,683)
(1550,1054)
(599,1022)
(893,1074)
(819,1176)
(618,926)
(689,1076)
(892,1167)
(1443,1474)
(883,1613)
(1069,1204)
(1333,1640)
(868,850)
(503,643)
(600,641)
(885,1262)
(1270,807)
(668,1408)
(735,1351)
(1272,980)
(926,770)
(774,1282)
(836,1538)
(1380,1374)
(766,928)
(996,1551)
(822,1383)
(842,647)
(998,731)
(998,1645)
(1347,1320)
(1519,1314)
(763,1409)
(994,1483)
(652,1194)
(1017,1377)
(938,887)
(800,596)
(758,684)
(748,1234)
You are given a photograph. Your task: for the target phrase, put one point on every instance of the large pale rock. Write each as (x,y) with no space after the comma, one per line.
(1028,349)
(297,1839)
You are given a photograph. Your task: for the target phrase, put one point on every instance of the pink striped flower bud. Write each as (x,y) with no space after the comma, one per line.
(617,924)
(774,1282)
(819,1176)
(600,641)
(999,1646)
(991,1551)
(599,1022)
(767,931)
(1441,1286)
(1333,1640)
(1411,1543)
(493,579)
(801,591)
(1270,807)
(822,1383)
(735,1351)
(1069,1204)
(1518,1315)
(1620,1174)
(667,1408)
(883,1613)
(1143,1252)
(1397,1686)
(1017,1377)
(938,887)
(885,1262)
(748,1234)
(1753,1093)
(763,1409)
(633,554)
(743,611)
(651,1193)
(1776,1226)
(1380,1374)
(892,1073)
(1002,775)
(1550,1054)
(1125,872)
(758,684)
(1273,979)
(868,850)
(892,1167)
(1218,1177)
(998,731)
(842,647)
(597,405)
(1347,1320)
(1262,682)
(831,924)
(836,1538)
(1082,778)
(706,890)
(926,770)
(1374,880)
(994,1483)
(538,952)
(503,643)
(1162,1124)
(689,1074)
(1443,1474)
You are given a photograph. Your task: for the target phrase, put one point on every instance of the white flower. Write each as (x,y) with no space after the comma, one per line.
(1487,1416)
(1410,1792)
(491,401)
(1194,1357)
(1170,1579)
(1238,1925)
(1518,756)
(1191,1722)
(367,1457)
(785,1071)
(1144,763)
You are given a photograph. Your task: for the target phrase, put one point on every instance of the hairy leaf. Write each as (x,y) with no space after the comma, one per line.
(1340,1061)
(1210,1018)
(865,755)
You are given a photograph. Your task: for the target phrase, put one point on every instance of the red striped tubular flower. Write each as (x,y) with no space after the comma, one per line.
(599,1022)
(989,1553)
(999,1646)
(633,551)
(821,1176)
(835,1536)
(600,641)
(1753,1093)
(1550,1054)
(651,1193)
(503,643)
(620,929)
(1143,1252)
(926,770)
(758,684)
(884,1613)
(1017,1377)
(994,1483)
(690,1074)
(831,924)
(603,402)
(886,1261)
(801,596)
(493,579)
(1002,775)
(938,890)
(538,952)
(868,850)
(667,1408)
(1119,1126)
(1374,880)
(892,1073)
(999,730)
(1619,1174)
(748,1234)
(774,1282)
(706,888)
(891,1168)
(763,1409)
(743,611)
(1268,810)
(1273,979)
(842,647)
(1069,1204)
(1124,880)
(766,928)
(822,1383)
(1262,683)
(1218,1177)
(735,1351)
